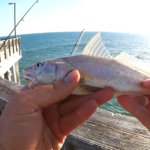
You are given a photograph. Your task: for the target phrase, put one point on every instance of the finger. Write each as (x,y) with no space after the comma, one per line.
(146,83)
(70,105)
(100,96)
(78,116)
(45,95)
(103,95)
(133,106)
(25,88)
(148,105)
(141,100)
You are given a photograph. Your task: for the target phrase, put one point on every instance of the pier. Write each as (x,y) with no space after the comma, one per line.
(10,54)
(108,131)
(103,131)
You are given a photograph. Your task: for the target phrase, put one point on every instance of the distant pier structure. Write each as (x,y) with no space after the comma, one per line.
(10,54)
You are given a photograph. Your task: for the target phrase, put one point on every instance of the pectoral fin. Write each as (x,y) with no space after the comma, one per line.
(84,89)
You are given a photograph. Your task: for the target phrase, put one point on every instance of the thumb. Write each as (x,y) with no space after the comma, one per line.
(146,83)
(45,95)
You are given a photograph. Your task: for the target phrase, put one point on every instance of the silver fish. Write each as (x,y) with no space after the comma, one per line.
(97,69)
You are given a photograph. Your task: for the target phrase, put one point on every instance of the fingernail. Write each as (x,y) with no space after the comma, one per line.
(146,102)
(146,83)
(70,77)
(142,100)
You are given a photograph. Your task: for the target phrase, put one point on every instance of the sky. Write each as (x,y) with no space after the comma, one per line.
(131,16)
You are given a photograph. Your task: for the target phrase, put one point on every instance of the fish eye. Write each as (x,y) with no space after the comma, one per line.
(39,64)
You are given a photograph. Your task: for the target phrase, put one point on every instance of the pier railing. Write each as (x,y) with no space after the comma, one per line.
(10,48)
(10,54)
(103,131)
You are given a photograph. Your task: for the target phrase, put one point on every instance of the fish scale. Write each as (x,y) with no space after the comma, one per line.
(106,73)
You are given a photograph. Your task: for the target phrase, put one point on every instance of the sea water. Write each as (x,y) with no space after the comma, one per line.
(37,47)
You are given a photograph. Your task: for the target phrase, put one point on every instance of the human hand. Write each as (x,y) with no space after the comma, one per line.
(38,119)
(138,106)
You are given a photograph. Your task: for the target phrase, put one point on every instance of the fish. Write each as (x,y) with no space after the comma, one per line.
(98,69)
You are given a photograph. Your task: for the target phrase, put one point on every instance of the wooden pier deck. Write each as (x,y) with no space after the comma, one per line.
(107,131)
(103,131)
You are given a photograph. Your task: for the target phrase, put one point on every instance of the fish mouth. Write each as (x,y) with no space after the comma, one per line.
(28,78)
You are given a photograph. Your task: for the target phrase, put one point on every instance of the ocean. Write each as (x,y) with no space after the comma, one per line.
(41,46)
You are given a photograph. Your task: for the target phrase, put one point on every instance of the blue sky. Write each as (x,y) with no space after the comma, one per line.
(75,15)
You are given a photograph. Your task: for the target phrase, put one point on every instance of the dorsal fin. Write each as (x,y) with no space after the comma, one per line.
(133,62)
(95,47)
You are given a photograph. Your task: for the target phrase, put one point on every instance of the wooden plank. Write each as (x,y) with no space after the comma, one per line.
(5,55)
(113,132)
(8,89)
(9,47)
(19,46)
